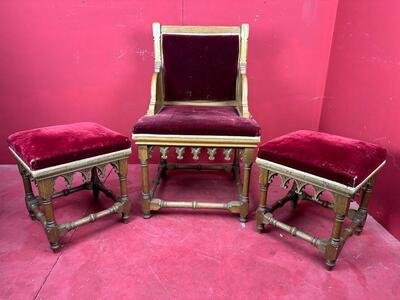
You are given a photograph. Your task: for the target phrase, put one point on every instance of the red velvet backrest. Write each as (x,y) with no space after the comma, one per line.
(200,67)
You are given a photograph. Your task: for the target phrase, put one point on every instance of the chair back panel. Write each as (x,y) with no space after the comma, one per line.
(200,67)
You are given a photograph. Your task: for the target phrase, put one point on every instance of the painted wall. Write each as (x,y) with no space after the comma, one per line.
(362,98)
(69,61)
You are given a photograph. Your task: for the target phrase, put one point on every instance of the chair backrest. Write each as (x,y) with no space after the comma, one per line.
(200,64)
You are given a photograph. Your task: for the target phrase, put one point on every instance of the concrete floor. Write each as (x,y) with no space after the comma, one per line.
(186,254)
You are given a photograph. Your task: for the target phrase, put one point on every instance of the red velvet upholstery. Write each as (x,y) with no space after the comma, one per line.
(200,67)
(340,159)
(50,146)
(197,120)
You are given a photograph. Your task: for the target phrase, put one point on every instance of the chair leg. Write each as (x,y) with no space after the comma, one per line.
(340,207)
(122,173)
(46,189)
(144,157)
(244,197)
(262,207)
(30,199)
(362,212)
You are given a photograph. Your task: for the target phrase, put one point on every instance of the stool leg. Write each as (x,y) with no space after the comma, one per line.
(30,199)
(362,212)
(144,157)
(46,189)
(262,206)
(95,183)
(122,173)
(244,197)
(163,165)
(340,207)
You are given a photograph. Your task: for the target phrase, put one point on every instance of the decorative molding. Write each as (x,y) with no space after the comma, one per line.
(227,153)
(115,166)
(180,151)
(68,179)
(86,173)
(73,166)
(196,152)
(315,181)
(164,152)
(211,153)
(102,170)
(196,140)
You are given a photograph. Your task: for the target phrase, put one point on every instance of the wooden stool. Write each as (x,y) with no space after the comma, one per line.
(44,154)
(342,166)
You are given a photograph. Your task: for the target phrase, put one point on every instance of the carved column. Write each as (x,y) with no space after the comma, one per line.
(122,173)
(248,154)
(30,199)
(340,207)
(46,189)
(262,207)
(144,157)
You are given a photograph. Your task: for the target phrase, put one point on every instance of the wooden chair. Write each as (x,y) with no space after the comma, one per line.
(198,101)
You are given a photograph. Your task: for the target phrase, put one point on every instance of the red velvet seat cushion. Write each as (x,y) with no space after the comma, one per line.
(340,159)
(197,120)
(50,146)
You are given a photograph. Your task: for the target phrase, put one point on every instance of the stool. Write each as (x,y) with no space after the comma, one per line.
(342,166)
(43,154)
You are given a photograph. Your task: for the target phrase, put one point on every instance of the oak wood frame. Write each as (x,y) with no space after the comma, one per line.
(237,144)
(342,196)
(41,207)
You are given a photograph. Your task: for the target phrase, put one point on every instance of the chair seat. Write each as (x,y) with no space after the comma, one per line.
(197,120)
(344,160)
(50,146)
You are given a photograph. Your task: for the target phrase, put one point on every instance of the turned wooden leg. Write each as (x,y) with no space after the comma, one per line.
(122,173)
(244,197)
(340,207)
(362,212)
(262,206)
(144,157)
(46,189)
(30,199)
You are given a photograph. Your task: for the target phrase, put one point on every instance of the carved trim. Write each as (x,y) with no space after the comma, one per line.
(227,153)
(211,153)
(196,152)
(74,166)
(164,152)
(196,140)
(68,179)
(86,173)
(180,151)
(315,181)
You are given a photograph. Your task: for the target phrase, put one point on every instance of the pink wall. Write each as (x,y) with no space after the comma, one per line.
(68,61)
(362,98)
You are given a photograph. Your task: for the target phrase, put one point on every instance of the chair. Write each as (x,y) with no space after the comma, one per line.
(198,101)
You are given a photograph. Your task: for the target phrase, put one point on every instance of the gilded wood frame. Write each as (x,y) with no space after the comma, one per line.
(342,197)
(41,207)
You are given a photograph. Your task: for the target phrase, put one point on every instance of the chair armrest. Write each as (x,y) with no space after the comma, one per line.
(154,94)
(242,99)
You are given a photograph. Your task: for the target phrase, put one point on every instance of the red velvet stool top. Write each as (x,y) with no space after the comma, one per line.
(50,146)
(336,158)
(197,120)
